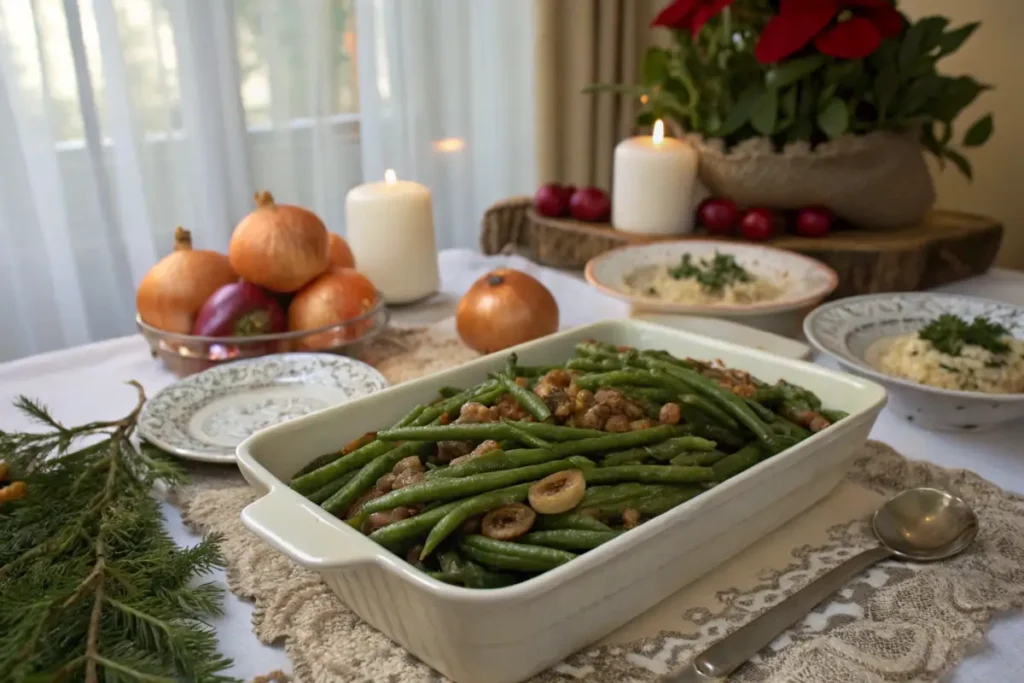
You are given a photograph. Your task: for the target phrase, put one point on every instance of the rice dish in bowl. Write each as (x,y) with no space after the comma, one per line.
(717,279)
(973,368)
(949,362)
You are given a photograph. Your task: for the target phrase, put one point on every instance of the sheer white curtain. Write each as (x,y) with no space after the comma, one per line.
(124,118)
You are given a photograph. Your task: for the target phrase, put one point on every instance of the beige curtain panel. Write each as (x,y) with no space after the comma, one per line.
(580,42)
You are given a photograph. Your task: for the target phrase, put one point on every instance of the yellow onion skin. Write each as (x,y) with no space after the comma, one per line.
(174,290)
(504,308)
(336,297)
(280,247)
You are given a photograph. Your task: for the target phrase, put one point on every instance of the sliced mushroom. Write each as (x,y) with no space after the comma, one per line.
(630,518)
(508,522)
(558,492)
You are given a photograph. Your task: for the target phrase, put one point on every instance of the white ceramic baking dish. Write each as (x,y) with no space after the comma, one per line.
(505,635)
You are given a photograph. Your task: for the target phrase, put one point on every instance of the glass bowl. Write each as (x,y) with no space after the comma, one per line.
(186,354)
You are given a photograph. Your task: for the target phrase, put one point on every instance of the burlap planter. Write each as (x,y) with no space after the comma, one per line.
(877,181)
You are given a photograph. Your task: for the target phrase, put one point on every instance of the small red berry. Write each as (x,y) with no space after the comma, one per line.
(718,215)
(759,224)
(814,221)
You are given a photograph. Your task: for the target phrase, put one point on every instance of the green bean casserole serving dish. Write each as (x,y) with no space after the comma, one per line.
(490,485)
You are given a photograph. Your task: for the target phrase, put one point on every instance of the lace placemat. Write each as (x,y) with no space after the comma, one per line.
(896,622)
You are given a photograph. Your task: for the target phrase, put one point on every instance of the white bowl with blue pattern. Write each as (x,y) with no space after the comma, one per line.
(847,328)
(205,416)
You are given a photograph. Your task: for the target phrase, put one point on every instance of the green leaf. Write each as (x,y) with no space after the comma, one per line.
(885,54)
(929,141)
(960,162)
(952,40)
(932,29)
(788,102)
(833,118)
(740,113)
(765,114)
(956,95)
(919,94)
(646,118)
(910,48)
(887,84)
(655,66)
(980,132)
(792,70)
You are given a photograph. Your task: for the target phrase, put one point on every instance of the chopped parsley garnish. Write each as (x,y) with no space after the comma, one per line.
(713,274)
(949,334)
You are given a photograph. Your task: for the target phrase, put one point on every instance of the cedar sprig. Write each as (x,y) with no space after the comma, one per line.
(92,586)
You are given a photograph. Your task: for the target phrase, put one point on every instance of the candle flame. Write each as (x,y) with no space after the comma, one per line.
(659,132)
(389,176)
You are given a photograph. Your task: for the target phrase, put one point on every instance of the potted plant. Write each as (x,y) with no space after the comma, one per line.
(812,102)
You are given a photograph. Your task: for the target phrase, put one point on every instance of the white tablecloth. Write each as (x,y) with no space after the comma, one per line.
(86,383)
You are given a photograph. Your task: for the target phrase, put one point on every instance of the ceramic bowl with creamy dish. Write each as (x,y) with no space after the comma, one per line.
(952,363)
(767,288)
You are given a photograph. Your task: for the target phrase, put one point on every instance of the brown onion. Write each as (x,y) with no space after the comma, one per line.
(341,254)
(175,289)
(504,308)
(338,295)
(279,246)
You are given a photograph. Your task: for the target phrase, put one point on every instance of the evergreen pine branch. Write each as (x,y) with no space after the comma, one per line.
(94,588)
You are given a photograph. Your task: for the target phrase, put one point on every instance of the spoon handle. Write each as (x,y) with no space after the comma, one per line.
(728,654)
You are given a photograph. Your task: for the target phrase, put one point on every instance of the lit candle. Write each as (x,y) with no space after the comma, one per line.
(390,228)
(653,184)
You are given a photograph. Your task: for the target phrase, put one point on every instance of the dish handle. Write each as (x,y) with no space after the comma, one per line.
(307,535)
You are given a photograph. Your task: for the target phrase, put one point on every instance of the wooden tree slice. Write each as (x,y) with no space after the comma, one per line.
(945,247)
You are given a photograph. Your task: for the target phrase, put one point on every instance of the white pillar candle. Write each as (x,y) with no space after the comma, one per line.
(653,184)
(390,228)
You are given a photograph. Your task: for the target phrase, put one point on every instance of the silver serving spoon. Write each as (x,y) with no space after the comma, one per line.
(920,525)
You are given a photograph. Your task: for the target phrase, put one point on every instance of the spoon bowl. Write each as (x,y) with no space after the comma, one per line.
(925,525)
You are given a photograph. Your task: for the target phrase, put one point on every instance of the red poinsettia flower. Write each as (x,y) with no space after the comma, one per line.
(848,29)
(690,15)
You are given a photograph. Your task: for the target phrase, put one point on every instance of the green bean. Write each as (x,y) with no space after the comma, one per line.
(367,477)
(397,533)
(317,479)
(549,556)
(446,577)
(569,520)
(512,366)
(595,349)
(651,505)
(698,458)
(497,460)
(551,432)
(766,415)
(482,394)
(786,428)
(705,406)
(449,392)
(581,462)
(589,365)
(531,402)
(595,495)
(720,435)
(834,416)
(469,507)
(617,378)
(524,437)
(328,490)
(457,431)
(615,442)
(769,395)
(665,356)
(686,396)
(447,488)
(792,392)
(569,539)
(472,574)
(728,401)
(657,394)
(318,462)
(741,460)
(412,415)
(505,562)
(649,474)
(663,451)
